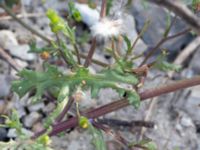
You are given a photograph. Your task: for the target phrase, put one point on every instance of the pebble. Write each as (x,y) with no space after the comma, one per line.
(21,51)
(31,119)
(158,16)
(89,16)
(37,127)
(36,107)
(49,108)
(5,81)
(3,134)
(186,122)
(130,31)
(9,42)
(7,39)
(12,133)
(2,106)
(194,64)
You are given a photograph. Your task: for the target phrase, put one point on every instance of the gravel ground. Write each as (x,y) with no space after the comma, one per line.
(176,116)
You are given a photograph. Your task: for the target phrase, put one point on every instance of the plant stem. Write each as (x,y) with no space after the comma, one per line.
(180,9)
(103,9)
(77,53)
(65,110)
(95,61)
(113,106)
(156,48)
(138,37)
(91,53)
(93,45)
(8,11)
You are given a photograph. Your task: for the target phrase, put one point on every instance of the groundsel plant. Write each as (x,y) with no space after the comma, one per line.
(69,87)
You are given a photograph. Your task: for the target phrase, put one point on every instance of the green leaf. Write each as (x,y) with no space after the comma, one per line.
(14,122)
(37,80)
(151,146)
(97,138)
(147,144)
(74,12)
(195,3)
(163,65)
(10,3)
(94,91)
(27,144)
(35,49)
(109,6)
(67,84)
(64,93)
(128,42)
(133,98)
(59,108)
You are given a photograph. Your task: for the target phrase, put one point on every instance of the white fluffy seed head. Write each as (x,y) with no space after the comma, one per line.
(106,28)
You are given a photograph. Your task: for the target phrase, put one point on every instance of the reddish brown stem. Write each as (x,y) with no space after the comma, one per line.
(103,8)
(95,113)
(93,46)
(156,48)
(65,110)
(91,53)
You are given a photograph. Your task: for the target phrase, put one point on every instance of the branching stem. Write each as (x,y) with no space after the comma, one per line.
(114,106)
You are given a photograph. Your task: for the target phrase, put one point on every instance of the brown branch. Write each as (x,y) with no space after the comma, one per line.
(161,42)
(90,53)
(114,106)
(93,46)
(95,61)
(181,10)
(103,9)
(65,110)
(9,60)
(77,53)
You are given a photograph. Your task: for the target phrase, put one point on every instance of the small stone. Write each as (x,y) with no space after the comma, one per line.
(21,63)
(21,112)
(27,132)
(186,122)
(7,39)
(89,16)
(12,133)
(2,107)
(49,108)
(5,81)
(37,127)
(21,51)
(195,92)
(194,64)
(36,107)
(31,119)
(9,42)
(3,134)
